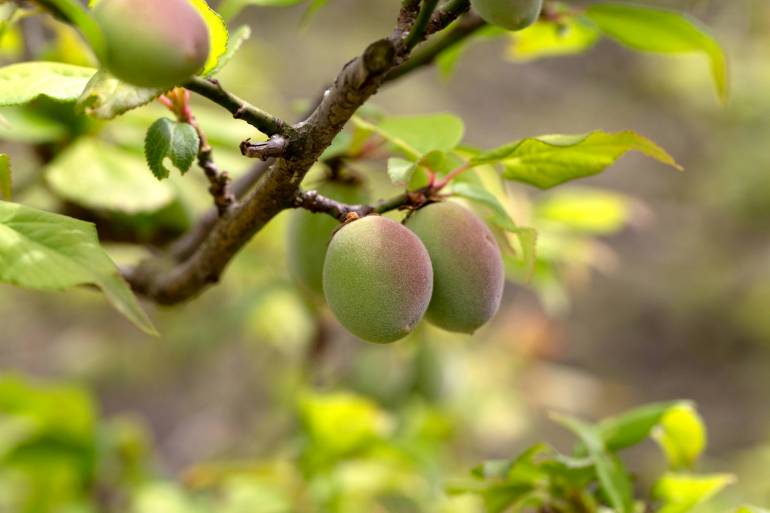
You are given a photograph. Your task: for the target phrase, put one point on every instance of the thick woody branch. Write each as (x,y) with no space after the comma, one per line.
(240,109)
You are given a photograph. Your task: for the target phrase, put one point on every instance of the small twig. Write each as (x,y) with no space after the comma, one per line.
(272,148)
(266,123)
(178,101)
(427,55)
(420,26)
(317,203)
(437,186)
(442,18)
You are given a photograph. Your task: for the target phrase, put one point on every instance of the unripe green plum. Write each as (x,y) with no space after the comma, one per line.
(377,279)
(509,14)
(308,235)
(152,43)
(468,274)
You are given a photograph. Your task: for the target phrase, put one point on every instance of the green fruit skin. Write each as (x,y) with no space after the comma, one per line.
(468,273)
(377,279)
(308,236)
(509,14)
(152,43)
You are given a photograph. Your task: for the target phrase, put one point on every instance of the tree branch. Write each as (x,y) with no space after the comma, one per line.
(240,109)
(420,26)
(426,56)
(206,253)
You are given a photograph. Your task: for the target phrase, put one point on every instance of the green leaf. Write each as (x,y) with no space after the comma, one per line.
(416,136)
(234,43)
(550,160)
(659,30)
(634,426)
(23,82)
(477,193)
(230,8)
(6,184)
(682,436)
(584,209)
(568,36)
(218,35)
(424,133)
(46,251)
(400,171)
(680,493)
(613,478)
(106,97)
(73,12)
(97,175)
(751,509)
(177,141)
(338,423)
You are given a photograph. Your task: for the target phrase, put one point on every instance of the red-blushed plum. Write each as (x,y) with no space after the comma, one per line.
(153,43)
(468,274)
(377,279)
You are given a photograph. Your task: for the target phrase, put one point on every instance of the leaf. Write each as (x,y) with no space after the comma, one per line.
(230,8)
(633,426)
(659,30)
(424,133)
(97,175)
(680,493)
(6,185)
(584,209)
(400,171)
(46,251)
(568,36)
(613,479)
(550,160)
(23,82)
(218,36)
(177,141)
(682,436)
(75,14)
(234,43)
(416,136)
(106,97)
(476,192)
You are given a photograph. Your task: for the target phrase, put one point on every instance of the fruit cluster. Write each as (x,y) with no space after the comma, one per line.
(381,277)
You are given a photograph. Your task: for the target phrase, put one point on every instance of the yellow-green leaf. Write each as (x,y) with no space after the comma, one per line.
(550,160)
(652,29)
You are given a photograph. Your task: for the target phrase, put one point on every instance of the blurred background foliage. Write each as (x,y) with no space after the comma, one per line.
(650,285)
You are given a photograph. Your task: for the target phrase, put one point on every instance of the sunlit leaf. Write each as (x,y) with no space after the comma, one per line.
(218,35)
(46,251)
(680,493)
(568,36)
(106,97)
(659,30)
(23,82)
(550,160)
(682,435)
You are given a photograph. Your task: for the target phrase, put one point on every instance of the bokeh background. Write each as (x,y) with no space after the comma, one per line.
(659,289)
